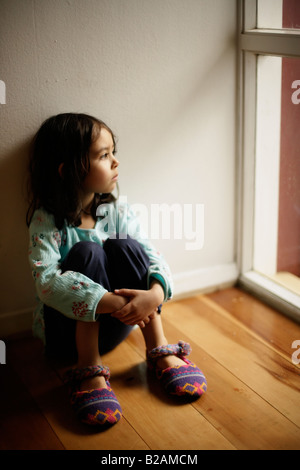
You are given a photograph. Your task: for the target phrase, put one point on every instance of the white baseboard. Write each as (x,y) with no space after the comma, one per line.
(270,291)
(186,283)
(205,279)
(15,322)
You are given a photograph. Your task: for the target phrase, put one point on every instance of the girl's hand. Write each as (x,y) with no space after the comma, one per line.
(141,307)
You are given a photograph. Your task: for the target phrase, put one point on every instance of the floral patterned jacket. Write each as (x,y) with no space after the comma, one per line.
(72,293)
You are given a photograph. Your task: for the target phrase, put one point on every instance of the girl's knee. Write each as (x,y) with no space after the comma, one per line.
(81,254)
(131,259)
(120,243)
(83,246)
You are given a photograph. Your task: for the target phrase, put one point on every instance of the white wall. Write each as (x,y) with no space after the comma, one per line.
(162,74)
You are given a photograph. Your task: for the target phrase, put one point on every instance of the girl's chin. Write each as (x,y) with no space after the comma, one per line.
(109,188)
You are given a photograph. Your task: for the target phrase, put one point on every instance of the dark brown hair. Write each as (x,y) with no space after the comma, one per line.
(65,138)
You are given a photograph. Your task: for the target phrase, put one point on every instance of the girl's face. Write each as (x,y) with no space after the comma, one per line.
(103,173)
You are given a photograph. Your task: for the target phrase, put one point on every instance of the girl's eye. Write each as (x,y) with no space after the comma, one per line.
(106,155)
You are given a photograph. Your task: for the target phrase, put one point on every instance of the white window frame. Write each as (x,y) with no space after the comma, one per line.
(251,43)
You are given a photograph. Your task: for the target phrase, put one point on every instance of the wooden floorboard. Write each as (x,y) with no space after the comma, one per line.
(242,346)
(242,399)
(277,330)
(22,425)
(236,410)
(260,367)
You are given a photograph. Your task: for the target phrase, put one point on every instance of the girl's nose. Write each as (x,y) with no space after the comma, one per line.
(115,162)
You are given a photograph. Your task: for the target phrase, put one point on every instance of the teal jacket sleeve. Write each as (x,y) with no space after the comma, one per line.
(71,293)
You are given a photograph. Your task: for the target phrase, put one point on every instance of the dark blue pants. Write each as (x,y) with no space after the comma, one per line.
(120,263)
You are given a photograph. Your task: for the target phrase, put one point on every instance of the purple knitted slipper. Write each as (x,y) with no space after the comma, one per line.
(97,406)
(185,380)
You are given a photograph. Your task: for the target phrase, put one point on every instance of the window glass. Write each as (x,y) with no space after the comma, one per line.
(277,179)
(278,14)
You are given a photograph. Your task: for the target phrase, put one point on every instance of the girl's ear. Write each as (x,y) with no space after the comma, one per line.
(60,170)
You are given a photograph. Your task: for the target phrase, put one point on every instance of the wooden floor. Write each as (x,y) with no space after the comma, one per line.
(243,347)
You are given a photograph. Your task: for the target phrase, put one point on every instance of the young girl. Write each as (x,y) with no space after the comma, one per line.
(95,275)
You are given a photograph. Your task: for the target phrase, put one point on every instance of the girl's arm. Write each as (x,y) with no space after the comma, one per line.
(71,293)
(142,304)
(111,302)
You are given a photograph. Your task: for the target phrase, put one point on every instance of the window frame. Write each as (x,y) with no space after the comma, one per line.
(251,43)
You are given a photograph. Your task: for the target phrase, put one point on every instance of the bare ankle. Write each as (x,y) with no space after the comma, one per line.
(156,343)
(87,334)
(88,361)
(153,333)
